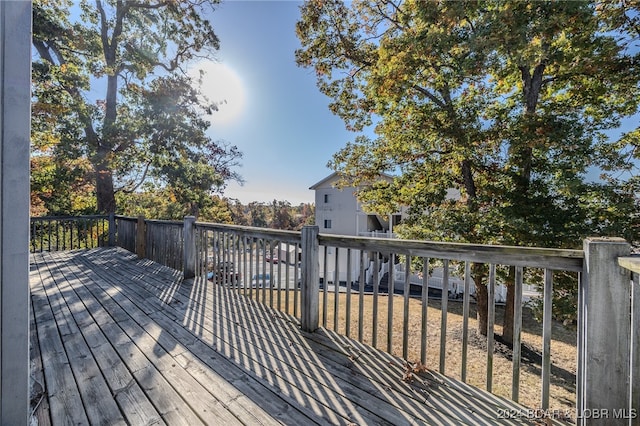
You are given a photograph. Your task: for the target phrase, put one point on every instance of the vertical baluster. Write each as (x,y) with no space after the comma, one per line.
(491,314)
(390,291)
(271,273)
(254,243)
(205,253)
(90,223)
(405,316)
(84,235)
(231,257)
(298,276)
(217,256)
(245,260)
(362,281)
(34,235)
(336,288)
(287,276)
(546,335)
(261,270)
(237,267)
(279,280)
(517,328)
(228,250)
(199,251)
(444,300)
(376,291)
(267,246)
(465,318)
(324,287)
(57,242)
(425,303)
(348,307)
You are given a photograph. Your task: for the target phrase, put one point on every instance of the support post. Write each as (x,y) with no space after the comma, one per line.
(112,229)
(15,102)
(189,249)
(141,238)
(604,334)
(310,285)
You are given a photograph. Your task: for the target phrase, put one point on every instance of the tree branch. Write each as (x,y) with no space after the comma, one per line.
(128,189)
(429,95)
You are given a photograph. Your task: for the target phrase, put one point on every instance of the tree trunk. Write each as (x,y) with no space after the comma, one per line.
(507,324)
(482,305)
(478,273)
(507,321)
(105,195)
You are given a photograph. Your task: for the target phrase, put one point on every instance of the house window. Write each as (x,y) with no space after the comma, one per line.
(326,198)
(327,223)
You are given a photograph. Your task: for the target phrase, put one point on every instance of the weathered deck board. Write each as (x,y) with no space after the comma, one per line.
(126,340)
(39,398)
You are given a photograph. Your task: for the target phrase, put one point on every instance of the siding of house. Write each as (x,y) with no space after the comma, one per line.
(342,209)
(339,207)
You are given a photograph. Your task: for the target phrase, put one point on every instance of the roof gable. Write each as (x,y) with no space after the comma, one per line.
(334,177)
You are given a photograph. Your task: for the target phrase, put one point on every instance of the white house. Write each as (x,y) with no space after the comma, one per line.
(339,212)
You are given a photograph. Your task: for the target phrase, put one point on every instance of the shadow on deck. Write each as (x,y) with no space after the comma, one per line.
(121,340)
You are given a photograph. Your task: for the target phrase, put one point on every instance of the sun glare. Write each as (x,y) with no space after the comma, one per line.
(222,86)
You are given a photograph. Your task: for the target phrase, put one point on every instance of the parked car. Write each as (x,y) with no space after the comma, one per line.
(261,281)
(224,273)
(272,258)
(456,284)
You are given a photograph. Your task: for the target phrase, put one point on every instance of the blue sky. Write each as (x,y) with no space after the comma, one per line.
(282,123)
(283,127)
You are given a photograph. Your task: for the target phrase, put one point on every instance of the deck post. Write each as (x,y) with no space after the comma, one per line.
(15,103)
(112,229)
(189,249)
(310,285)
(141,238)
(604,334)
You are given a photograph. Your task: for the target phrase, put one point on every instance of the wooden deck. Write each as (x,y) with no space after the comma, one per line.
(118,340)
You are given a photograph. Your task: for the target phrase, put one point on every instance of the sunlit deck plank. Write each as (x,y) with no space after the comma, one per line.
(259,363)
(284,362)
(39,398)
(190,351)
(63,391)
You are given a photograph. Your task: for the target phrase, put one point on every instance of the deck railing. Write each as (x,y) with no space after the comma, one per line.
(52,233)
(127,229)
(380,291)
(260,263)
(405,271)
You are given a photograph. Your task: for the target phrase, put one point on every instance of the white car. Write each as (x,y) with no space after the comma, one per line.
(261,281)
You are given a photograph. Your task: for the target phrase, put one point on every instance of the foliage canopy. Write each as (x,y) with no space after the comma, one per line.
(146,126)
(511,103)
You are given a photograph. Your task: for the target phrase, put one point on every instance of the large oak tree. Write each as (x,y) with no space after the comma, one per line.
(110,87)
(507,102)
